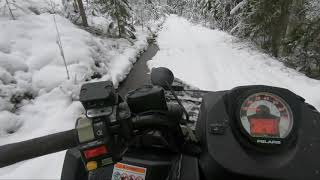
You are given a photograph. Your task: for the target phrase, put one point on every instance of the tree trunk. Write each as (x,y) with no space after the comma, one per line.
(280,29)
(82,14)
(142,20)
(296,17)
(118,18)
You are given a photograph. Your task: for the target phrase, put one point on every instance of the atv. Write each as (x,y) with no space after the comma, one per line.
(164,131)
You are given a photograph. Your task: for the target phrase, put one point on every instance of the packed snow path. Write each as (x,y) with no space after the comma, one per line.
(214,60)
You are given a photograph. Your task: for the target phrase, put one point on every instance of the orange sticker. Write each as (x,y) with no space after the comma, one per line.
(130,168)
(128,172)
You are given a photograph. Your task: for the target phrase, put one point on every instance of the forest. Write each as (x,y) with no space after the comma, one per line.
(286,29)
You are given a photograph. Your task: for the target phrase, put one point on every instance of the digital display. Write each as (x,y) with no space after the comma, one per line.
(264,127)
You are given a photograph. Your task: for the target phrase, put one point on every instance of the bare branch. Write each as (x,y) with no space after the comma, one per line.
(12,16)
(60,43)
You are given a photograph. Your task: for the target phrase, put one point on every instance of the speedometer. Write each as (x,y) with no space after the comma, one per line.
(266,115)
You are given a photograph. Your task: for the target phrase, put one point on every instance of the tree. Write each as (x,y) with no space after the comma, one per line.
(139,9)
(82,13)
(281,24)
(120,11)
(71,11)
(303,34)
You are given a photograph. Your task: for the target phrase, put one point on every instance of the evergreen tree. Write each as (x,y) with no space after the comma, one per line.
(139,9)
(303,35)
(120,11)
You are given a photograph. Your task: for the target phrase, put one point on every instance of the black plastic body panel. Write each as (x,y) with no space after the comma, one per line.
(73,168)
(157,163)
(158,167)
(190,168)
(213,111)
(224,156)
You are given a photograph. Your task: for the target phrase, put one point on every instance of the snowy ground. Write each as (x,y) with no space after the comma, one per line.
(214,60)
(33,74)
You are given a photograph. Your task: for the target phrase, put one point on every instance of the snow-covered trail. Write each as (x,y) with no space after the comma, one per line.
(214,60)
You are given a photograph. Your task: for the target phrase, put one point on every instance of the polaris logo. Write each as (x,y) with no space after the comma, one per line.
(263,141)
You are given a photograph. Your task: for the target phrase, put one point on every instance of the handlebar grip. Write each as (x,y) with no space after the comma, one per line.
(16,152)
(153,122)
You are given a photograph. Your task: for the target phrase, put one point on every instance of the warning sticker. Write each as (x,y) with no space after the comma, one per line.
(128,172)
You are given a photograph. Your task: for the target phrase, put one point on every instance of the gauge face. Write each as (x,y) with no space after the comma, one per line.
(266,115)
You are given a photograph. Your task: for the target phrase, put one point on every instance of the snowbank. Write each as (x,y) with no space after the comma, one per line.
(214,60)
(30,57)
(36,98)
(22,8)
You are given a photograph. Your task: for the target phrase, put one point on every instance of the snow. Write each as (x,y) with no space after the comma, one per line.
(28,47)
(45,167)
(214,60)
(36,98)
(12,63)
(21,8)
(8,122)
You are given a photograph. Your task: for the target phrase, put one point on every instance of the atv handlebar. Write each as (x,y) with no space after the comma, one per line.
(20,151)
(16,152)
